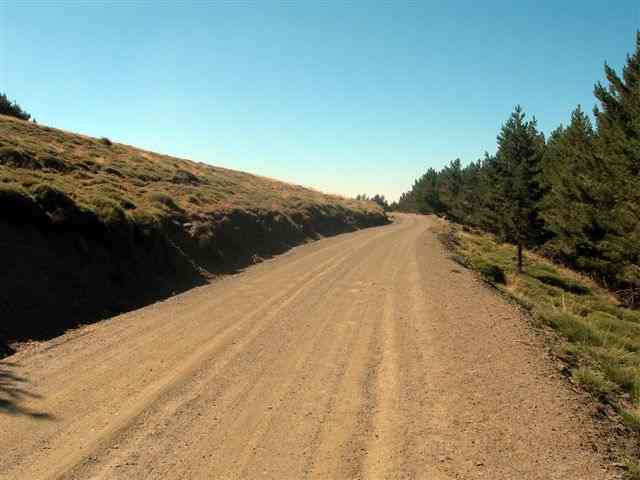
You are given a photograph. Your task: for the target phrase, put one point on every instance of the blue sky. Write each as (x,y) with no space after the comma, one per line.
(346,97)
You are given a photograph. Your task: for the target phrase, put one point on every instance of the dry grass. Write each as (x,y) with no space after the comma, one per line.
(109,178)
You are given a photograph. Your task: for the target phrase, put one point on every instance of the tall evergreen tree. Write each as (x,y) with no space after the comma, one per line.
(582,201)
(618,188)
(430,192)
(568,207)
(520,149)
(450,188)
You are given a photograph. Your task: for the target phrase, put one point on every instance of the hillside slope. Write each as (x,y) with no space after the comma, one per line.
(90,228)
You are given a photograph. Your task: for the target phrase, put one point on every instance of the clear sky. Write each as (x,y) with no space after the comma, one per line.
(347,97)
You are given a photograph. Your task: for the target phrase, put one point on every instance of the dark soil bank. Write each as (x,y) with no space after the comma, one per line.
(57,275)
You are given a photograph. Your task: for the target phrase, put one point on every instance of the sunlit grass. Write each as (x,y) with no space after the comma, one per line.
(603,337)
(121,183)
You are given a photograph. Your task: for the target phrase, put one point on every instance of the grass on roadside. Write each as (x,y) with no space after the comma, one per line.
(602,336)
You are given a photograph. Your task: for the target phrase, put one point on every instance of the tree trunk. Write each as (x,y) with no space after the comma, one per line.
(519,257)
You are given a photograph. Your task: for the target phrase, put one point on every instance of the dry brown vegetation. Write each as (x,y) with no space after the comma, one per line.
(108,177)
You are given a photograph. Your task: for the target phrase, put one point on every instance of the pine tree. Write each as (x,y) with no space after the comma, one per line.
(618,189)
(7,107)
(381,200)
(431,192)
(450,187)
(569,169)
(520,149)
(619,115)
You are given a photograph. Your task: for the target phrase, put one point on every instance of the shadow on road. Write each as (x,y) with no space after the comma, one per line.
(13,391)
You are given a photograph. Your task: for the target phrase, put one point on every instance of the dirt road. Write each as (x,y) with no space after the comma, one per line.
(366,355)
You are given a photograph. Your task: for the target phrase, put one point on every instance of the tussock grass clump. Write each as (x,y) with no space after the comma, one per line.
(164,200)
(593,381)
(631,420)
(18,158)
(110,213)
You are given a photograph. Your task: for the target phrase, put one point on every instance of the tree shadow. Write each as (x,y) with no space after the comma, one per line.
(13,391)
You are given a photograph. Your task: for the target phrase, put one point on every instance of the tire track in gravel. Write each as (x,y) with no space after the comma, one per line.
(232,333)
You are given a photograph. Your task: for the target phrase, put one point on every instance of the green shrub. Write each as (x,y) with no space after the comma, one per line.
(106,141)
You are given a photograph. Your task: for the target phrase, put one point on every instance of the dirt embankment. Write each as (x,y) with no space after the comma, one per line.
(89,228)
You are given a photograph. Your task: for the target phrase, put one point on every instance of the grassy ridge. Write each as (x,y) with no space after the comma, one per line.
(90,228)
(115,180)
(601,338)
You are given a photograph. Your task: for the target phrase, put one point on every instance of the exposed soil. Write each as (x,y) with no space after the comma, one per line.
(365,355)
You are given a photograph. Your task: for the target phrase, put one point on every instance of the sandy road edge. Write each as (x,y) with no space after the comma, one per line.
(618,441)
